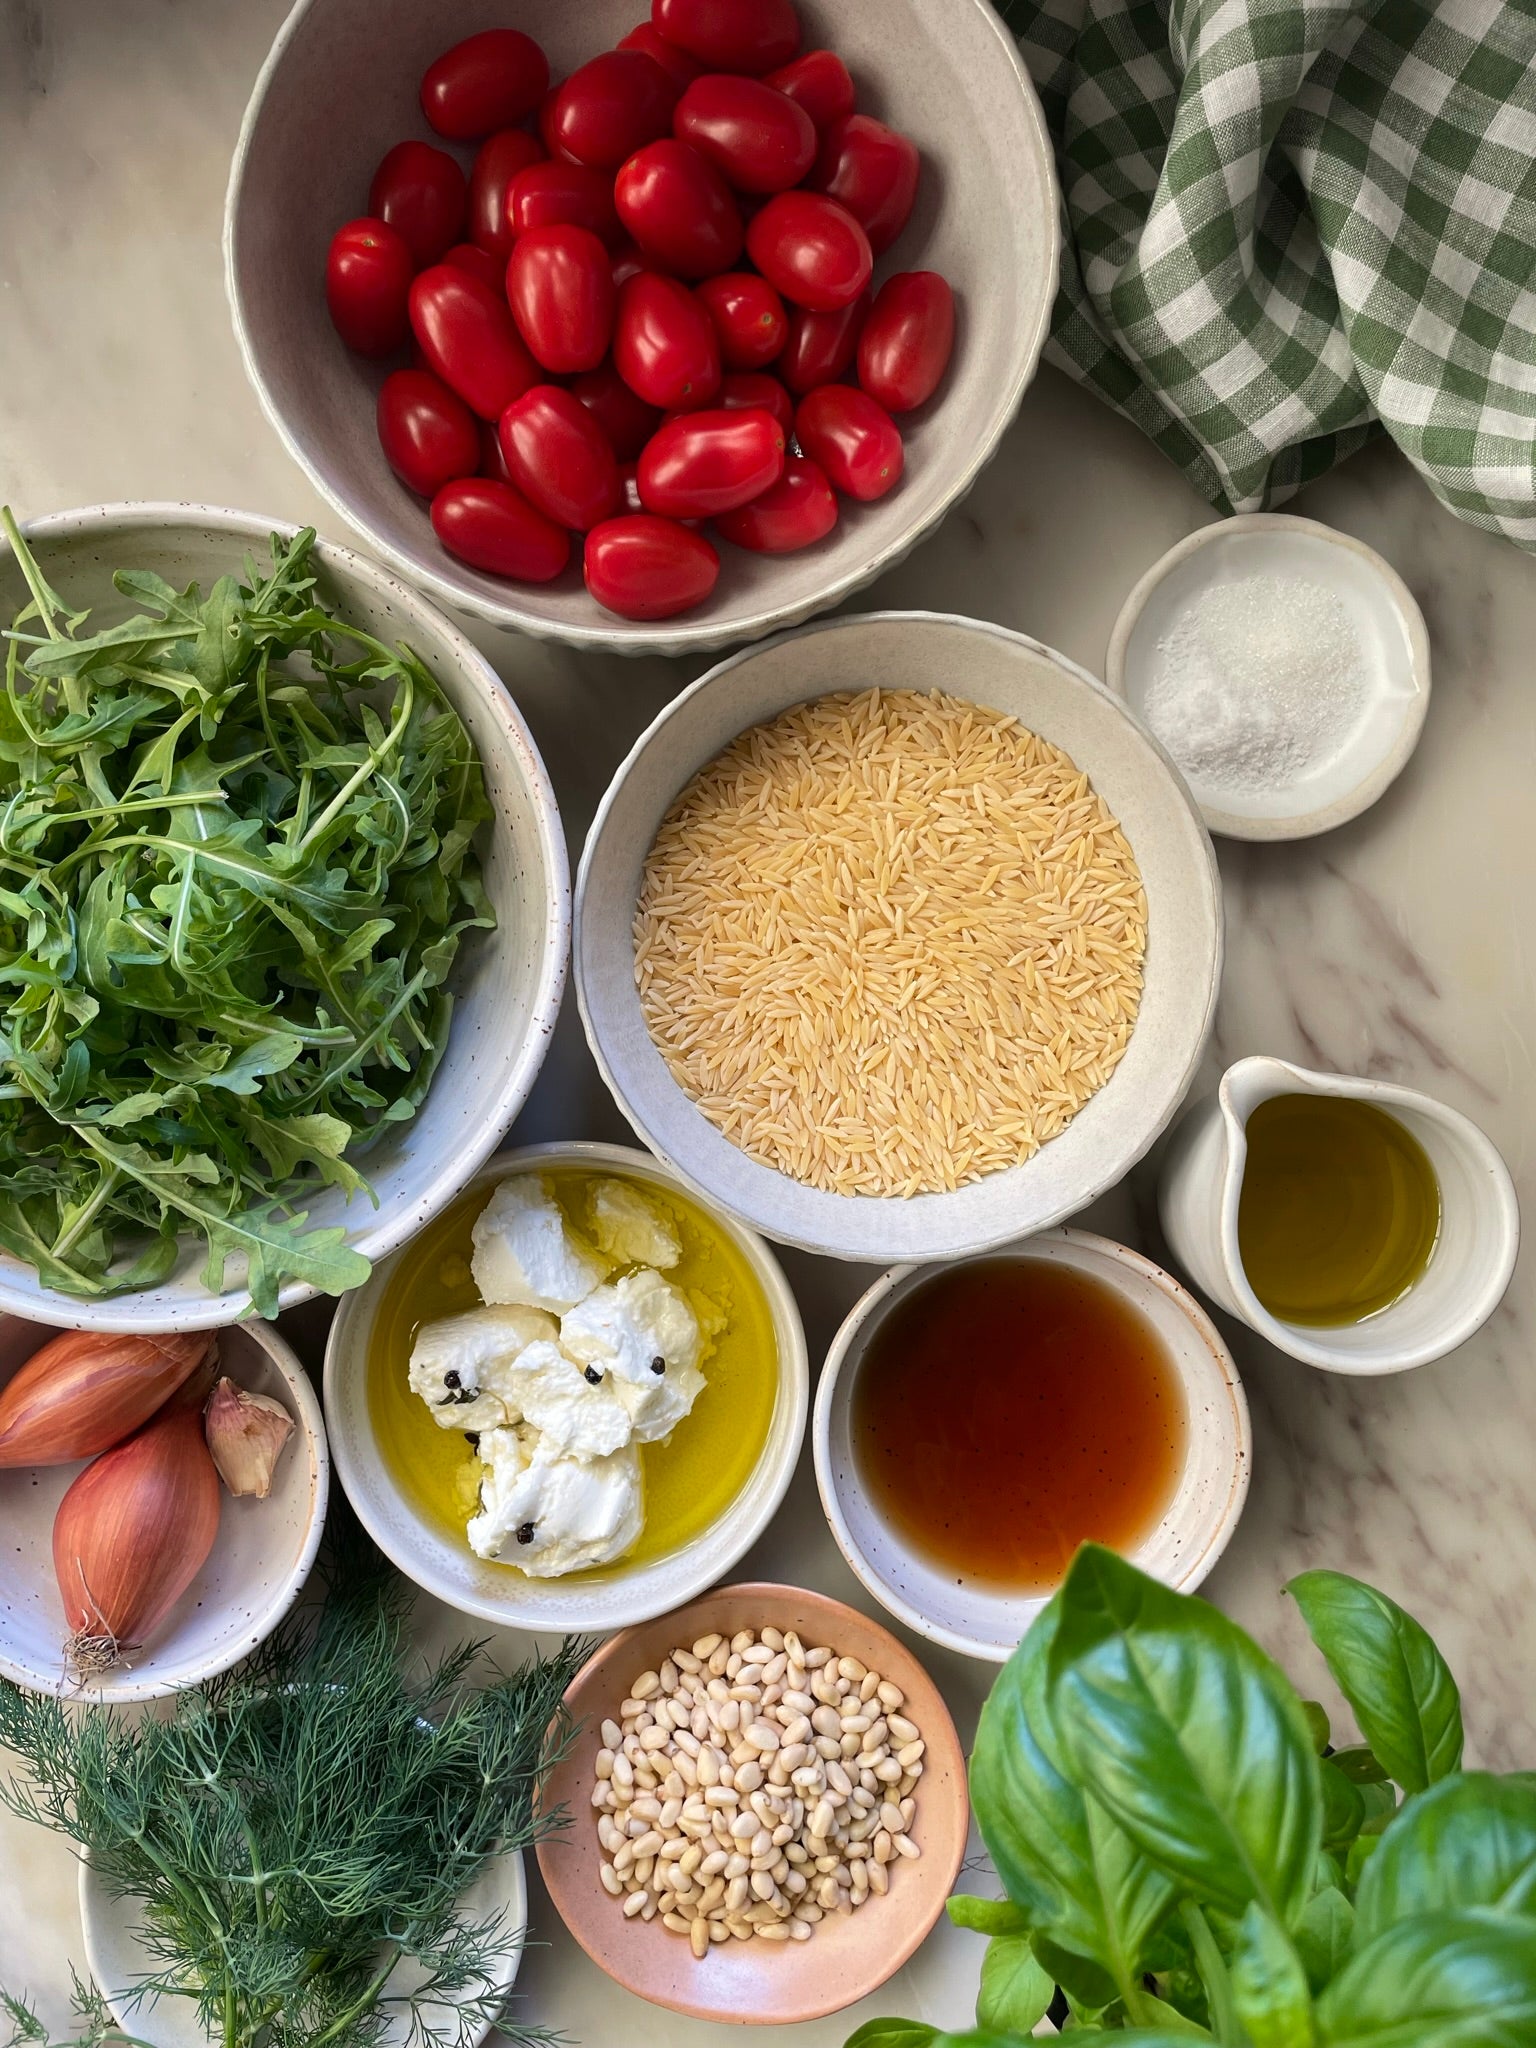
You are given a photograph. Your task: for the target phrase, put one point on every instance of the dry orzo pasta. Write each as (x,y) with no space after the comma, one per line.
(890,942)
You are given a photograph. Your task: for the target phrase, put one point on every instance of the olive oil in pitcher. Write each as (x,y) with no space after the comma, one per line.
(1339,1209)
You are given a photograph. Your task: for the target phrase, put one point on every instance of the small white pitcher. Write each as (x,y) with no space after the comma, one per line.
(1468,1270)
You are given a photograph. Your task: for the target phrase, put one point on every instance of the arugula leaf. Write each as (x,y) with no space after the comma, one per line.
(1389,1670)
(237,864)
(1189,1735)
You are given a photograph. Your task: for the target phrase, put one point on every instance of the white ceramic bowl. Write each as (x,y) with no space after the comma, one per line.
(260,1559)
(1193,1530)
(990,666)
(1394,646)
(443,1562)
(118,1958)
(339,88)
(507,983)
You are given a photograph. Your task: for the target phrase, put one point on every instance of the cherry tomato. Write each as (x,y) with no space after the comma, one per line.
(612,106)
(871,170)
(643,567)
(907,340)
(492,526)
(546,194)
(811,249)
(854,440)
(489,81)
(755,390)
(793,513)
(664,344)
(469,339)
(819,82)
(492,462)
(760,140)
(731,35)
(560,289)
(749,318)
(479,263)
(547,135)
(428,434)
(677,64)
(490,185)
(419,190)
(679,209)
(560,458)
(821,345)
(367,279)
(627,421)
(704,463)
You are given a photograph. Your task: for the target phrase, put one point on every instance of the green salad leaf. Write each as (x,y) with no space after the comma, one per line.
(236,864)
(1187,1857)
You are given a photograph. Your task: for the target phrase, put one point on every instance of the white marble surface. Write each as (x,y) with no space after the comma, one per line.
(1401,946)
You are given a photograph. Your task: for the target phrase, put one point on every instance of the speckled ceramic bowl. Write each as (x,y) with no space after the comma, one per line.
(260,1559)
(439,1557)
(507,983)
(339,88)
(1191,1533)
(758,1983)
(987,665)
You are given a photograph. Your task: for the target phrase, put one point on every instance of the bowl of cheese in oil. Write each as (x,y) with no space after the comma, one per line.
(708,1488)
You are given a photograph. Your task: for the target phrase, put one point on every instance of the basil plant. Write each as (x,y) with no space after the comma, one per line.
(1186,1857)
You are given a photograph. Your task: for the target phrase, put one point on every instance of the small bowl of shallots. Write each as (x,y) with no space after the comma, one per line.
(161,1503)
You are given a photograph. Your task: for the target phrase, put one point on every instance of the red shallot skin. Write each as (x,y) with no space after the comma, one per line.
(133,1532)
(86,1390)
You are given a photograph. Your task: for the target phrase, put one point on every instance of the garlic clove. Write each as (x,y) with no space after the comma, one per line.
(246,1433)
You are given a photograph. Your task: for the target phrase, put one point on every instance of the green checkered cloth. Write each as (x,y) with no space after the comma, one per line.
(1290,223)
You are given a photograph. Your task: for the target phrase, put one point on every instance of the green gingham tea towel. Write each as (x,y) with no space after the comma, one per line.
(1287,220)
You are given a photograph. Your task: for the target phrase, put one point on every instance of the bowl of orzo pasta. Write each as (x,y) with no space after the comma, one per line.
(898,936)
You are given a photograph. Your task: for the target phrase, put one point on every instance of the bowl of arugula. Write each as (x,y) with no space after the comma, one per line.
(284,916)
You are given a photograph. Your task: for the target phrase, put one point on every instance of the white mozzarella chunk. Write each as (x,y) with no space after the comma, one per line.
(574,1407)
(525,1251)
(630,1228)
(643,1332)
(457,1363)
(549,1514)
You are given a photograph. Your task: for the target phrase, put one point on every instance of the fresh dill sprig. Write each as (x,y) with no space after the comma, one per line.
(295,1836)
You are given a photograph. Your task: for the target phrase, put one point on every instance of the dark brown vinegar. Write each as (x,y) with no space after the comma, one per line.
(1010,1409)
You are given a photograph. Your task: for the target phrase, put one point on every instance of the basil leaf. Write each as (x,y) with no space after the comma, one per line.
(1016,1993)
(1073,1873)
(1270,1993)
(1389,1670)
(1468,1841)
(892,2034)
(1188,1734)
(1343,1807)
(986,1916)
(1323,1935)
(1440,1980)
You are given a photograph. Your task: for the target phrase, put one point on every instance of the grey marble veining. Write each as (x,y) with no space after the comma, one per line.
(1401,946)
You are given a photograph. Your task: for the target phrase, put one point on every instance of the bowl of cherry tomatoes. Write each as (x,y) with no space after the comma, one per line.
(648,335)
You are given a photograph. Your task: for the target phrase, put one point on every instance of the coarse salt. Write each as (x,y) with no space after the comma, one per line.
(1257,683)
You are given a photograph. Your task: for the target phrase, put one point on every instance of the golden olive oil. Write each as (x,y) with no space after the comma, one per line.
(1339,1209)
(689,1479)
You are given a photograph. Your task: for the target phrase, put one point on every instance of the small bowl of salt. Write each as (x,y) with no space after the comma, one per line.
(1284,666)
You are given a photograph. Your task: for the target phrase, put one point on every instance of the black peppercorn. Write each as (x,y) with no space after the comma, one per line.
(658,1366)
(525,1533)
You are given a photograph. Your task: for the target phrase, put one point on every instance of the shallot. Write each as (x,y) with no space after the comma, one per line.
(87,1390)
(134,1531)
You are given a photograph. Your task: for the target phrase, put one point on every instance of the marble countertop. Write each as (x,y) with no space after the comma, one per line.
(1401,946)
